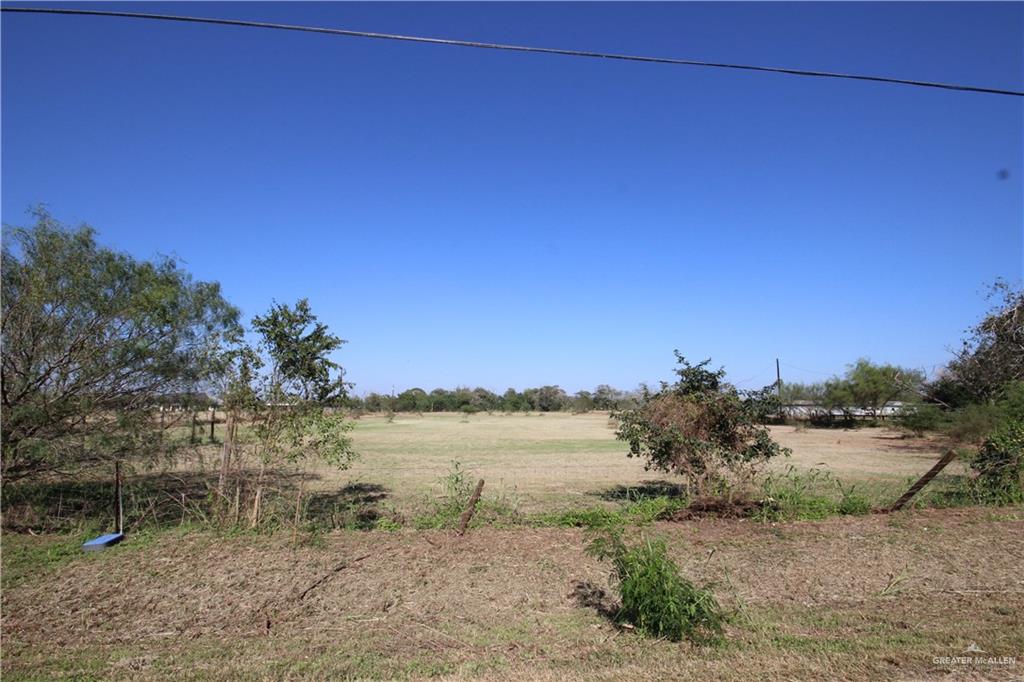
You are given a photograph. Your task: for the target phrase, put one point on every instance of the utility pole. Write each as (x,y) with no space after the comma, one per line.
(778,390)
(778,379)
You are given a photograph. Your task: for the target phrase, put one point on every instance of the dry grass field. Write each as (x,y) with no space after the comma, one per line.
(559,460)
(857,598)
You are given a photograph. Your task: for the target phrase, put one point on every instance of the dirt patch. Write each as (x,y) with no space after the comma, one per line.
(711,507)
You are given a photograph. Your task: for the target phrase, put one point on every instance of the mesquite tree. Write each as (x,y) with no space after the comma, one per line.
(991,357)
(93,340)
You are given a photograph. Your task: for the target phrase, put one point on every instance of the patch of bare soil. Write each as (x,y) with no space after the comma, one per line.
(716,507)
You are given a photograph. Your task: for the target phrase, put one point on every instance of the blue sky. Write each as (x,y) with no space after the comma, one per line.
(501,219)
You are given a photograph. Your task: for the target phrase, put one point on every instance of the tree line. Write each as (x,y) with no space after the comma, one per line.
(471,400)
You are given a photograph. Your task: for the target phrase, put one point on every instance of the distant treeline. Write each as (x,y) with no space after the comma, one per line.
(465,399)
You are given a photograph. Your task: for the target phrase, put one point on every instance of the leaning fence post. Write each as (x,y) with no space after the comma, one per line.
(924,480)
(470,508)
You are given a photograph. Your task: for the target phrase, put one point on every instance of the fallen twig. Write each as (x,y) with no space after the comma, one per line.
(340,567)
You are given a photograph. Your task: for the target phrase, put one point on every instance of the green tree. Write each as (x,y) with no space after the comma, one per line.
(293,419)
(701,428)
(991,357)
(607,398)
(582,401)
(513,401)
(870,387)
(793,392)
(412,400)
(441,400)
(547,398)
(92,339)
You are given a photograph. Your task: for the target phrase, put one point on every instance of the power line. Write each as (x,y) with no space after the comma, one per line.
(514,48)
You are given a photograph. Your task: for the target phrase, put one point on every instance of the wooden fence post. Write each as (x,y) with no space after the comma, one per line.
(924,480)
(470,508)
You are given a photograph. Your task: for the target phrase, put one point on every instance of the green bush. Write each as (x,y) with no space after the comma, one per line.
(702,428)
(920,419)
(656,599)
(1000,465)
(852,503)
(974,423)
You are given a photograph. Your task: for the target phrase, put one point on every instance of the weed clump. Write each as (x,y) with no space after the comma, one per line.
(800,495)
(640,511)
(656,599)
(457,486)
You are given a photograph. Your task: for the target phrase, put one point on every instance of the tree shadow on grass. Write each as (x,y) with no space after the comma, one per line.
(644,489)
(356,506)
(165,499)
(587,595)
(68,503)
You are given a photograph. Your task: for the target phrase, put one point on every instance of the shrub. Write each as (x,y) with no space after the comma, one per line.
(795,495)
(701,428)
(1000,465)
(656,599)
(649,509)
(642,510)
(920,419)
(974,423)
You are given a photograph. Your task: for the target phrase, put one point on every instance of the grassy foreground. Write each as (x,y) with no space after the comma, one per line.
(870,597)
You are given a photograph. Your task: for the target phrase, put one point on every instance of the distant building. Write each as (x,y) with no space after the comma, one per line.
(807,410)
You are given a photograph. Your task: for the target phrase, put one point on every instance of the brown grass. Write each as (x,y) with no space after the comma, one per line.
(565,460)
(867,598)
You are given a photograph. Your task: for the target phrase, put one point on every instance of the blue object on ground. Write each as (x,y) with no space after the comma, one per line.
(102,542)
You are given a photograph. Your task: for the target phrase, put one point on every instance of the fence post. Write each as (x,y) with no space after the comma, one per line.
(924,480)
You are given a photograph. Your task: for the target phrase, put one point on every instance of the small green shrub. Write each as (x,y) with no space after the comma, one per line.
(386,524)
(656,599)
(641,510)
(803,495)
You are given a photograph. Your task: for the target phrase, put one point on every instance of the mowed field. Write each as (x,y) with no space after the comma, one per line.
(560,460)
(876,597)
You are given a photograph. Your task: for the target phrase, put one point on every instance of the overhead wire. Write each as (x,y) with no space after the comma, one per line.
(514,48)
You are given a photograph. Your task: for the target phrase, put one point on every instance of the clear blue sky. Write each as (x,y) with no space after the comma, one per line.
(500,219)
